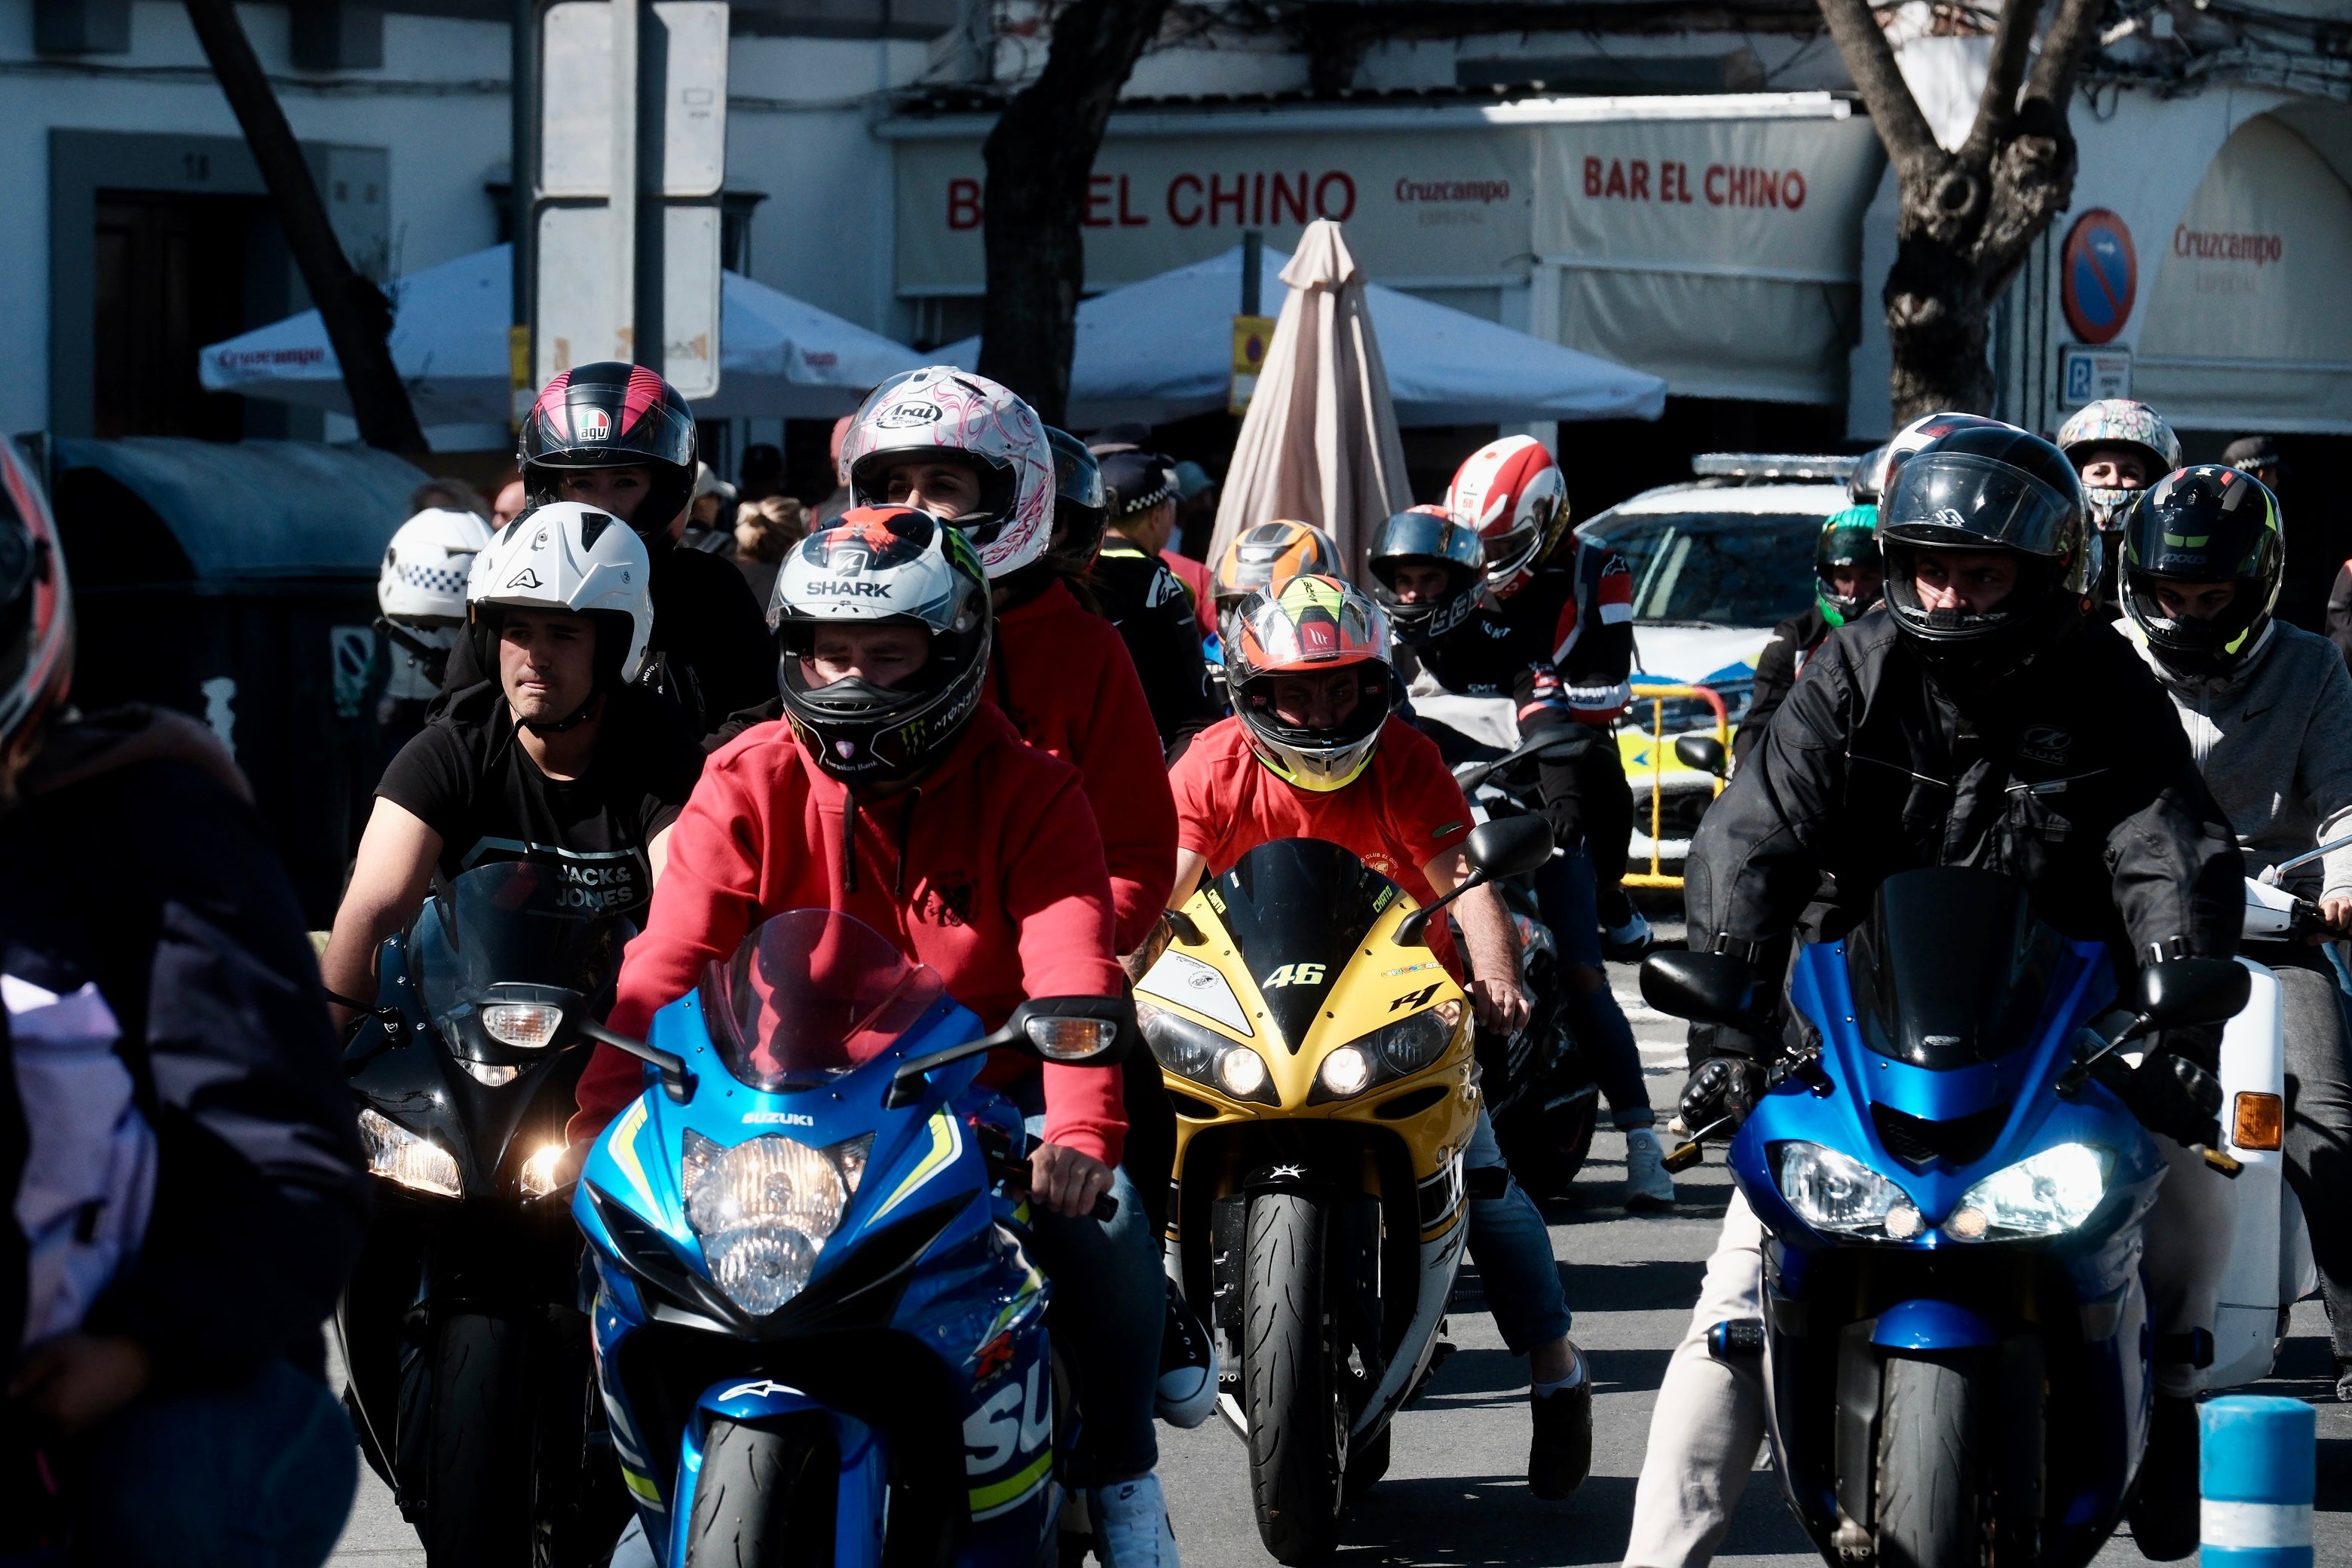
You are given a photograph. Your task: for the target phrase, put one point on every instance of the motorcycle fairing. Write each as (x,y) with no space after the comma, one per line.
(975,1304)
(1296,910)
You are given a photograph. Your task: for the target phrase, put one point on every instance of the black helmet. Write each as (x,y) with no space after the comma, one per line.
(1849,539)
(887,565)
(1427,533)
(612,416)
(1987,489)
(2205,523)
(1081,507)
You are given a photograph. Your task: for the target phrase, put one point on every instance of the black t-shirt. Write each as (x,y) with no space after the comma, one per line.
(1148,604)
(468,777)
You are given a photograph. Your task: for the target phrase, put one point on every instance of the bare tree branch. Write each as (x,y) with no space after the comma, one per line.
(2062,47)
(1996,105)
(1870,61)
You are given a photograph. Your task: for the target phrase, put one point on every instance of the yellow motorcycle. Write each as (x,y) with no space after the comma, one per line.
(1320,1061)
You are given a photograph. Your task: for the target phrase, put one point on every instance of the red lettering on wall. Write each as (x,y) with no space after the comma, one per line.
(1592,176)
(1792,189)
(1127,216)
(1640,180)
(1324,207)
(1284,196)
(963,204)
(1098,213)
(1220,199)
(1179,185)
(1616,185)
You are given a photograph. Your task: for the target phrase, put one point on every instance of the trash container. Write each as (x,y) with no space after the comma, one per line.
(236,583)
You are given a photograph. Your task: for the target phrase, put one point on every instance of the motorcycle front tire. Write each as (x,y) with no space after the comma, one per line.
(764,1498)
(1930,1466)
(1296,1399)
(477,1452)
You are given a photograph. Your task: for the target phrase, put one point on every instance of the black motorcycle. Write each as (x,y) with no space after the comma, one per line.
(462,1327)
(1540,1092)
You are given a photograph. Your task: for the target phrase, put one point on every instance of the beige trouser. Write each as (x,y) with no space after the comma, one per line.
(1709,1422)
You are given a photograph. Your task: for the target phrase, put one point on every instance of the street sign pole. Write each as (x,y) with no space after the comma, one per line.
(522,198)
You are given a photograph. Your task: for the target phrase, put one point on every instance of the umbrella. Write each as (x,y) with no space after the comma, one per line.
(1319,442)
(1162,350)
(779,358)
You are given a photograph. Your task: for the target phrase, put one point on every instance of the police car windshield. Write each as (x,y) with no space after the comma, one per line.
(1719,569)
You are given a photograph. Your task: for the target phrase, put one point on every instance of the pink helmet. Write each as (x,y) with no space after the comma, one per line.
(941,411)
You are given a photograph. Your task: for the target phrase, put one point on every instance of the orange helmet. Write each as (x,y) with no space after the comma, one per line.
(1514,496)
(1264,555)
(1310,625)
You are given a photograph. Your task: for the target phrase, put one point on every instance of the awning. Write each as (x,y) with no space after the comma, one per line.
(1162,350)
(780,358)
(242,513)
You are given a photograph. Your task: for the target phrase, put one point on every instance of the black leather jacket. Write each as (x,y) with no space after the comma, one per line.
(2072,774)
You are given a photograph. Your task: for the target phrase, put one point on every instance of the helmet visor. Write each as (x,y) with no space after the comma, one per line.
(1961,501)
(592,433)
(1313,622)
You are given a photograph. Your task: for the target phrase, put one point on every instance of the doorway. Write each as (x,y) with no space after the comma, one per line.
(171,275)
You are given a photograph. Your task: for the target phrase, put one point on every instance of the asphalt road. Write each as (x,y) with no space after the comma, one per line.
(1456,1489)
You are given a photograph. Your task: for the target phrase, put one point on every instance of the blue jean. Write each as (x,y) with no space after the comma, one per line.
(1564,895)
(259,1475)
(1513,1251)
(1109,1301)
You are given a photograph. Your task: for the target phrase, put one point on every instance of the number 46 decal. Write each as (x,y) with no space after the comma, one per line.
(1296,974)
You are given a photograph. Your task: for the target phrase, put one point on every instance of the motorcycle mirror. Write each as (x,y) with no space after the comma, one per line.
(1704,752)
(1069,1031)
(676,1080)
(1706,987)
(2192,991)
(1511,847)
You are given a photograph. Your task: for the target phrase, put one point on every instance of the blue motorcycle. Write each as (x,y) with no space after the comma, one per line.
(1955,1340)
(819,1337)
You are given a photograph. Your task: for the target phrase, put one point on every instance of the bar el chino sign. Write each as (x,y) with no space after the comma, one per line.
(1425,206)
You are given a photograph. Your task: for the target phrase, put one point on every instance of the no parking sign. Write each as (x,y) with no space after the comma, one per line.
(2098,276)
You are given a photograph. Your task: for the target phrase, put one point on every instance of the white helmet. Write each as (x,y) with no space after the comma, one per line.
(2119,422)
(1513,496)
(940,410)
(423,584)
(567,556)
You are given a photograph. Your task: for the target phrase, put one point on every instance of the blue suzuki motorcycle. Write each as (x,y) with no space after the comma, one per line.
(1955,1340)
(818,1335)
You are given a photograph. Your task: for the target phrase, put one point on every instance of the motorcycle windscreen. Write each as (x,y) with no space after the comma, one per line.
(508,922)
(1952,968)
(1297,909)
(810,995)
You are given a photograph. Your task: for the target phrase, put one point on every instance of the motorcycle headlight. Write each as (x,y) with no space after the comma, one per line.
(1840,1196)
(399,1155)
(2049,1193)
(1192,1051)
(764,1208)
(1393,1051)
(526,1025)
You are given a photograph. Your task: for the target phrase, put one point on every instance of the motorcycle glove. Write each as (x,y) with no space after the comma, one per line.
(1721,1086)
(2172,1096)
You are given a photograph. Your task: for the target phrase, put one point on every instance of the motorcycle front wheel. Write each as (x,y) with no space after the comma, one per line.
(1930,1468)
(477,1452)
(1295,1387)
(764,1498)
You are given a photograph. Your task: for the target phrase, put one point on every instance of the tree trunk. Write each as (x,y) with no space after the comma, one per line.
(1040,157)
(357,315)
(1966,217)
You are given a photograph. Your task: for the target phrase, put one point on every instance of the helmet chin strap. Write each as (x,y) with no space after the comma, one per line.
(578,716)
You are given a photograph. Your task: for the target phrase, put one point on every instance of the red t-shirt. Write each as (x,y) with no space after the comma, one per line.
(1401,812)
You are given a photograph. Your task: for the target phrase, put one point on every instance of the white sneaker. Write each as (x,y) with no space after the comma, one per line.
(1187,1392)
(1627,943)
(1131,1530)
(1647,1186)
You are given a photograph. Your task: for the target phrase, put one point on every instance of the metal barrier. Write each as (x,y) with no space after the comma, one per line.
(1656,696)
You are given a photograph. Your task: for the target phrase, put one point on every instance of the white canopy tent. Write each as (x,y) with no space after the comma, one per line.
(779,358)
(1162,348)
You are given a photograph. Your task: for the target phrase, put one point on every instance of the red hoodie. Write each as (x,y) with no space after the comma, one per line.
(1066,682)
(988,870)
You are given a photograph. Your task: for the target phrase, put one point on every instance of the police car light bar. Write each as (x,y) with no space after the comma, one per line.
(1771,466)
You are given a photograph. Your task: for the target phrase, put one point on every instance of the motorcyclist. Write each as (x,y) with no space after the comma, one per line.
(895,794)
(563,757)
(1314,751)
(1556,631)
(2117,447)
(2268,709)
(618,437)
(185,1186)
(420,599)
(1147,602)
(1429,574)
(1978,720)
(1848,574)
(1267,553)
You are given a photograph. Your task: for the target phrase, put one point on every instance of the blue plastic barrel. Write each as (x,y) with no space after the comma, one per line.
(2257,1468)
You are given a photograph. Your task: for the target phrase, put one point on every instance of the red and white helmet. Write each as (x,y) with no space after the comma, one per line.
(36,627)
(567,556)
(942,411)
(1515,497)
